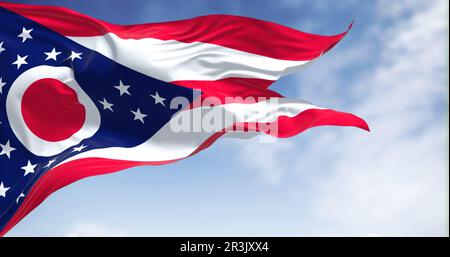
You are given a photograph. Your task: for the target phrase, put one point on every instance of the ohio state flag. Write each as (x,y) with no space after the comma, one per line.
(81,97)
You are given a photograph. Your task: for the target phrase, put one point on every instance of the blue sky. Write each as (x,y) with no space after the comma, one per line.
(392,70)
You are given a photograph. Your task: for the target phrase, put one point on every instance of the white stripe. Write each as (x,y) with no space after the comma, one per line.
(171,60)
(168,144)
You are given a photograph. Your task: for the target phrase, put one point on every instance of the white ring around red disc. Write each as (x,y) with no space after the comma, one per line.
(49,128)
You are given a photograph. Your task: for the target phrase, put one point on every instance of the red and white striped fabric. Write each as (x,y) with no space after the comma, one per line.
(222,55)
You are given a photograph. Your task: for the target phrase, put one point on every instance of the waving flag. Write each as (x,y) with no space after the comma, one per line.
(82,97)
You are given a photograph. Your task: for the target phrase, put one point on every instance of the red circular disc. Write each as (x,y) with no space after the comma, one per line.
(51,110)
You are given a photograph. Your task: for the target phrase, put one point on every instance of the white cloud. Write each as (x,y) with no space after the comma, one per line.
(264,158)
(393,181)
(83,229)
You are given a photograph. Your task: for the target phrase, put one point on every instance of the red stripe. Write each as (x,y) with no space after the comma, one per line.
(231,85)
(221,91)
(75,170)
(291,126)
(229,90)
(241,33)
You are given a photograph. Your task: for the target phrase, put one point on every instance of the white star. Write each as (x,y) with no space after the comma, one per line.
(1,47)
(7,149)
(25,34)
(1,85)
(52,55)
(3,190)
(123,88)
(20,196)
(106,105)
(79,149)
(49,163)
(158,99)
(75,55)
(29,168)
(20,60)
(139,116)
